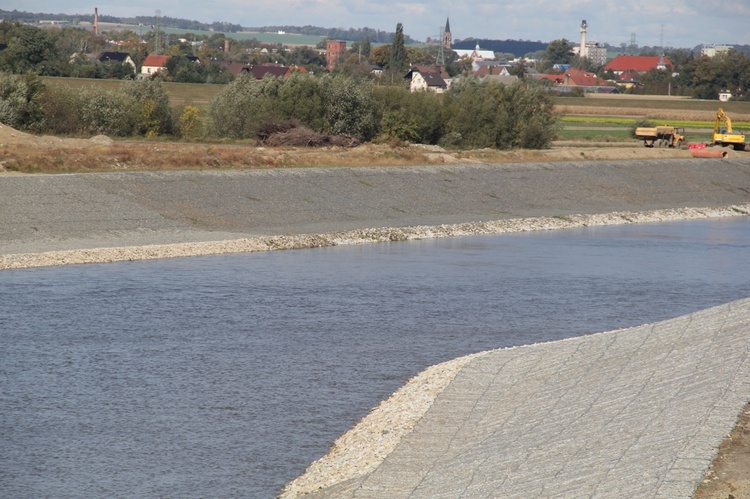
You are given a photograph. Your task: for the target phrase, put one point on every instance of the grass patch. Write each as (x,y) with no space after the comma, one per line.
(615,121)
(198,94)
(595,135)
(596,121)
(626,104)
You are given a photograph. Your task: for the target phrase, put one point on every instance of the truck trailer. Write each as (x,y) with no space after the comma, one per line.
(662,136)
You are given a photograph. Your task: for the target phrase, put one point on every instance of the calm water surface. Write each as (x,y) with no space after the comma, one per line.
(225,376)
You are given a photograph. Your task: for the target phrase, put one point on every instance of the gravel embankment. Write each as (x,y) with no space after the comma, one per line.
(362,236)
(80,218)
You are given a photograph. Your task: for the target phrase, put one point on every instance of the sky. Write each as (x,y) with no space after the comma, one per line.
(678,24)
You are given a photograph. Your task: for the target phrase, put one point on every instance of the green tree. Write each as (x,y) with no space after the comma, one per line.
(115,70)
(412,116)
(558,52)
(381,56)
(302,97)
(76,41)
(657,82)
(29,49)
(244,105)
(485,113)
(519,69)
(734,71)
(701,75)
(362,48)
(349,108)
(184,70)
(83,68)
(398,52)
(305,56)
(419,56)
(679,57)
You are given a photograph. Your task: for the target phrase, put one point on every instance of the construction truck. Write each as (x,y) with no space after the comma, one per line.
(724,135)
(662,136)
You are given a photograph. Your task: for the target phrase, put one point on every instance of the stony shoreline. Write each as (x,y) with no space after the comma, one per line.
(360,450)
(358,236)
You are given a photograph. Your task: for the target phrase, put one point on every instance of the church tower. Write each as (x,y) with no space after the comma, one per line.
(447,38)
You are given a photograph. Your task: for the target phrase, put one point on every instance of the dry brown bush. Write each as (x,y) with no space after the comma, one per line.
(297,137)
(269,128)
(291,133)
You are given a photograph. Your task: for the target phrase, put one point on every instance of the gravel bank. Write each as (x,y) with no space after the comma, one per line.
(360,236)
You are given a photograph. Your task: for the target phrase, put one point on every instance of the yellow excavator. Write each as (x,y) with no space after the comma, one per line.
(724,135)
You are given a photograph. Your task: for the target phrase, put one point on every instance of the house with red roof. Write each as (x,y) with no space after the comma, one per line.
(638,63)
(574,77)
(153,64)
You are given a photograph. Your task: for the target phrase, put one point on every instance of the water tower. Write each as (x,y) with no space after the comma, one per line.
(583,50)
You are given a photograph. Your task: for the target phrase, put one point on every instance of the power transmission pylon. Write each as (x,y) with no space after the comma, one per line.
(441,50)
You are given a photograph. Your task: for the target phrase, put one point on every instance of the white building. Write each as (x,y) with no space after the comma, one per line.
(475,55)
(714,50)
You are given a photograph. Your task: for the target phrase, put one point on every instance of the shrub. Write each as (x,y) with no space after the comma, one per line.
(301,97)
(412,116)
(530,120)
(19,101)
(62,106)
(190,123)
(491,114)
(475,112)
(109,112)
(397,124)
(152,102)
(349,108)
(239,109)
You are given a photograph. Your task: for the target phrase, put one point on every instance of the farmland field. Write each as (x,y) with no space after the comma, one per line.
(196,94)
(270,37)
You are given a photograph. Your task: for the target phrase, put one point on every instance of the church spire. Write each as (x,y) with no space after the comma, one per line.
(447,40)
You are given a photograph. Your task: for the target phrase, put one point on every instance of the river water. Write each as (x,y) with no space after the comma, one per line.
(225,376)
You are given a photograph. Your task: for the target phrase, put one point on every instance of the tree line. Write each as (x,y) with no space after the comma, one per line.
(472,114)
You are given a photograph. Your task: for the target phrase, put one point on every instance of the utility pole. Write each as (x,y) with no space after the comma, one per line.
(157,35)
(661,39)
